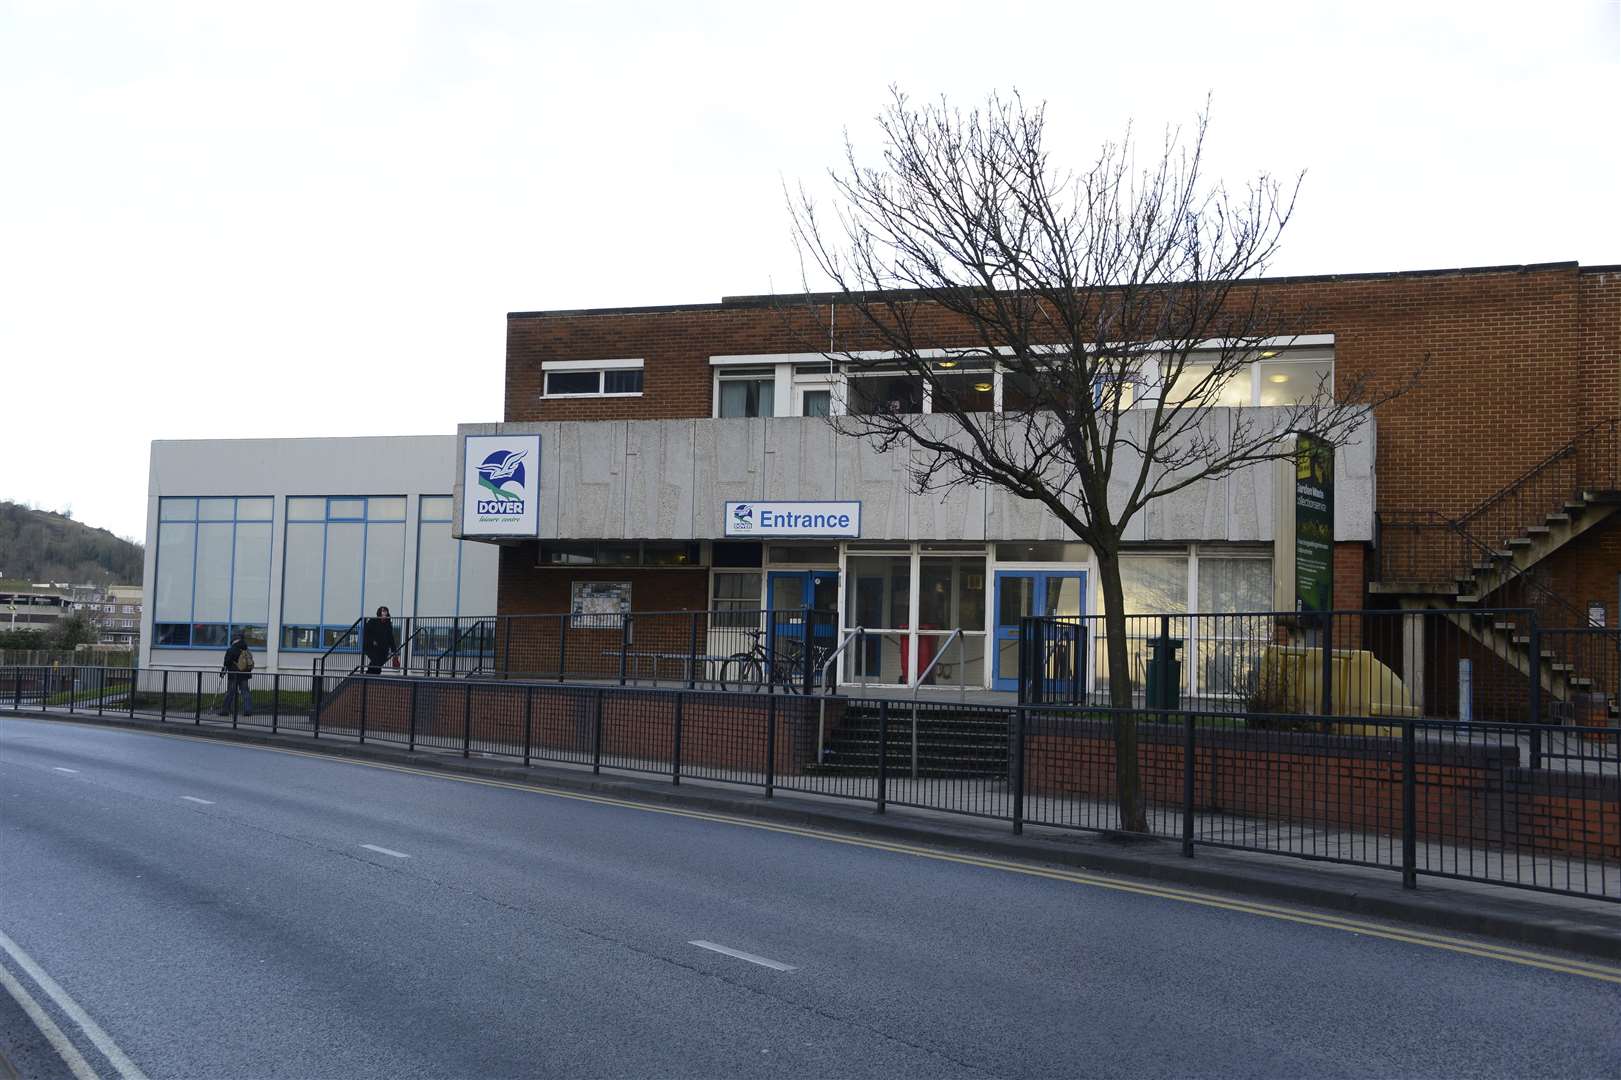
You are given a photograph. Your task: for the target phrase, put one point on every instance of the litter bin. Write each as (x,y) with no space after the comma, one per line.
(1164,673)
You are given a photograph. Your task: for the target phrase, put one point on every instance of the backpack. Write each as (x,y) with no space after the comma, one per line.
(244,662)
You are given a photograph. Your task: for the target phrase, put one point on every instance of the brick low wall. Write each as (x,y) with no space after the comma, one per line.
(719,731)
(1472,795)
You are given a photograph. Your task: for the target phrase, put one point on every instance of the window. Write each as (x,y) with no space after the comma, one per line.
(735,597)
(632,553)
(348,561)
(815,402)
(814,554)
(1054,551)
(746,392)
(213,572)
(1226,650)
(968,391)
(884,392)
(444,564)
(1266,382)
(1292,381)
(606,378)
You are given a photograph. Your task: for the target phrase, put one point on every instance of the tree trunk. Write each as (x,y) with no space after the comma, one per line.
(1128,785)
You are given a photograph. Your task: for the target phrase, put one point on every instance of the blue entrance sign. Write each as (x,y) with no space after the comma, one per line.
(830,519)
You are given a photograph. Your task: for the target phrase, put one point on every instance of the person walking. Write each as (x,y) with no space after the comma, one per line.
(379,642)
(238,668)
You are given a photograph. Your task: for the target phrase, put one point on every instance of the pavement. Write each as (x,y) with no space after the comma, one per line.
(220,910)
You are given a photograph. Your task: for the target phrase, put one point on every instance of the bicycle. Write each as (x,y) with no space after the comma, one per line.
(783,666)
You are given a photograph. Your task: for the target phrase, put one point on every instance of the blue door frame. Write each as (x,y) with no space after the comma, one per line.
(811,583)
(1005,675)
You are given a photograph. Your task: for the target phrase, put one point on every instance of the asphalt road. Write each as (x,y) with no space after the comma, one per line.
(216,910)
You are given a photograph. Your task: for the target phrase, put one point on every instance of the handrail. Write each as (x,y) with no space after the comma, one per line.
(1558,455)
(320,664)
(857,634)
(940,654)
(955,635)
(836,652)
(477,624)
(399,650)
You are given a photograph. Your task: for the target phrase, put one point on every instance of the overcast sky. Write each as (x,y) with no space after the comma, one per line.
(226,219)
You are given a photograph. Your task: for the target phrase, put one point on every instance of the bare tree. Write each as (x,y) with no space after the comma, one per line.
(1120,307)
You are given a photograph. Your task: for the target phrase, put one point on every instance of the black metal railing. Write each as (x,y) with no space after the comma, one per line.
(733,649)
(1471,663)
(1588,463)
(1534,806)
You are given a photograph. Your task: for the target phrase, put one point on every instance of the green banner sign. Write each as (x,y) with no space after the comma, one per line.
(1314,524)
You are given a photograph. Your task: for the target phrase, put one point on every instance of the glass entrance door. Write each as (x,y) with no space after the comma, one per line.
(790,592)
(1020,593)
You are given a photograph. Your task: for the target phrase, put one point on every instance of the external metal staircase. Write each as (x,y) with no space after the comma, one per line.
(1495,557)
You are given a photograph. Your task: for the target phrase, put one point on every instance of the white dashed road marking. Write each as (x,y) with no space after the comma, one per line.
(60,769)
(195,799)
(750,957)
(385,851)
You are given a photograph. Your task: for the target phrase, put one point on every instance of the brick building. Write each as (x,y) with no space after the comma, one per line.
(676,459)
(649,424)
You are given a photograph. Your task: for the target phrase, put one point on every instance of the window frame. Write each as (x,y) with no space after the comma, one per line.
(191,623)
(324,630)
(766,374)
(599,368)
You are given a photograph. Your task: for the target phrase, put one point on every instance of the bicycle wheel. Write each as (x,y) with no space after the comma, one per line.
(741,672)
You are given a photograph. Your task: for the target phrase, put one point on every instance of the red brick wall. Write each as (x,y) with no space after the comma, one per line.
(1475,796)
(1587,570)
(721,733)
(1600,335)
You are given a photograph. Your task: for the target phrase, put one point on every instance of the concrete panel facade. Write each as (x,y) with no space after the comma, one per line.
(671,479)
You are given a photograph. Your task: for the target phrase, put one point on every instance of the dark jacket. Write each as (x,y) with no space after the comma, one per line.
(233,654)
(378,640)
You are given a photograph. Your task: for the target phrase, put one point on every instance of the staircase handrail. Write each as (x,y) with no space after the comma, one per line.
(834,653)
(449,650)
(1570,448)
(1515,573)
(399,650)
(940,654)
(320,663)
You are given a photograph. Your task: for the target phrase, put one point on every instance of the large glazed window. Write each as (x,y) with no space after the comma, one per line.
(345,557)
(213,572)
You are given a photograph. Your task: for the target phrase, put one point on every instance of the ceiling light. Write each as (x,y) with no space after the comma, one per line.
(946,364)
(983,387)
(1269,355)
(1277,378)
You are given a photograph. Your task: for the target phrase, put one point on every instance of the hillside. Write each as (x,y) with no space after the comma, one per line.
(38,545)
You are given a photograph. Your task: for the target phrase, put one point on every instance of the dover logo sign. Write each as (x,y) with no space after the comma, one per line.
(501,485)
(833,519)
(499,472)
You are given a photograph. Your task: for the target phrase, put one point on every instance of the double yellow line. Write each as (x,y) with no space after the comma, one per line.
(1525,958)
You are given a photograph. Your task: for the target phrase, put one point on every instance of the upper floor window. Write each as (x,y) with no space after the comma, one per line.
(753,385)
(746,392)
(1271,380)
(592,378)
